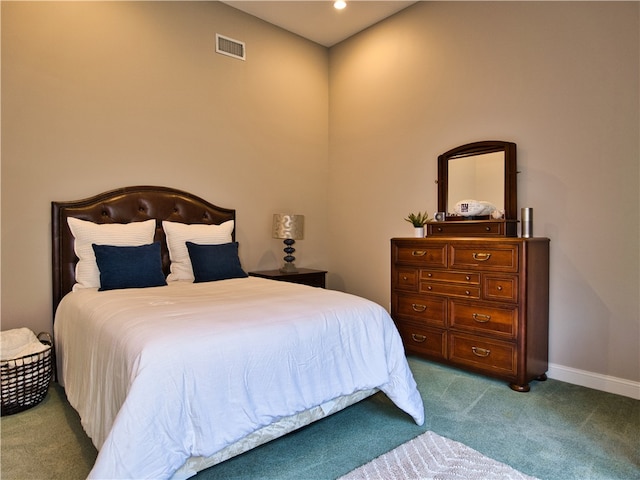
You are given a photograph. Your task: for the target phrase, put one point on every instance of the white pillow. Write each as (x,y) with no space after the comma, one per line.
(121,235)
(178,234)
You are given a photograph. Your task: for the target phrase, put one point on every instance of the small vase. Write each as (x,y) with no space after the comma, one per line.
(418,232)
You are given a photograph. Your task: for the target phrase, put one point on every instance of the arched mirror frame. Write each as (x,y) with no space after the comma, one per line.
(480,148)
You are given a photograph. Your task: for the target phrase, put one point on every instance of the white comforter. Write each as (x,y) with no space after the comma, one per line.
(162,374)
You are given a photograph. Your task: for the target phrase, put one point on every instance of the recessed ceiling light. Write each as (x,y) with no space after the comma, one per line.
(339,4)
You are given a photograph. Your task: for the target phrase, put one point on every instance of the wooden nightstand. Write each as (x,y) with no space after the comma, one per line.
(306,276)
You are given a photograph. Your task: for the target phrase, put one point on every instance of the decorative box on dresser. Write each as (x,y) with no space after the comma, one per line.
(476,303)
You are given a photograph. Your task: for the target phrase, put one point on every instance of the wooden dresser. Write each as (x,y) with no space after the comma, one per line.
(480,304)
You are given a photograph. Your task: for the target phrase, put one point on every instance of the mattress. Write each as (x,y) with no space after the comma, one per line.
(271,432)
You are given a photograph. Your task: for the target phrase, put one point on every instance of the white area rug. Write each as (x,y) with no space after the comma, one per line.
(431,456)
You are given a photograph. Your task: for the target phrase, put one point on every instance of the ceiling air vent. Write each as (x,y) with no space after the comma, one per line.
(230,47)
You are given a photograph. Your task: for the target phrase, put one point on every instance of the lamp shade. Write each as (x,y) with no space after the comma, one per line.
(288,226)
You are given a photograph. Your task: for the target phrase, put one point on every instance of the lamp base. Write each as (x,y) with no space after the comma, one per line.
(289,268)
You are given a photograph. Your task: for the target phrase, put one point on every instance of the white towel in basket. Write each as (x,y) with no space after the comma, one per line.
(19,342)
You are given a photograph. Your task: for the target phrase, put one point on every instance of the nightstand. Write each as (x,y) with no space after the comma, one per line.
(306,276)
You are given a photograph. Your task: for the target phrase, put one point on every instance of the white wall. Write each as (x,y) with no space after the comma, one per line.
(558,78)
(101,95)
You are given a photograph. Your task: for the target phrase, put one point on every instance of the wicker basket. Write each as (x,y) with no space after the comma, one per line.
(25,380)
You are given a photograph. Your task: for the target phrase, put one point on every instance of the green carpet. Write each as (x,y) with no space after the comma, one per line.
(556,431)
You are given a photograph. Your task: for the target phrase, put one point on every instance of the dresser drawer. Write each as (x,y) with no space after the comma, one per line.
(423,340)
(451,277)
(422,254)
(492,356)
(500,288)
(485,228)
(478,317)
(484,256)
(450,289)
(421,309)
(405,279)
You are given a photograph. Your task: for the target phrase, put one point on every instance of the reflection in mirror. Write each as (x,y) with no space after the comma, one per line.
(477,177)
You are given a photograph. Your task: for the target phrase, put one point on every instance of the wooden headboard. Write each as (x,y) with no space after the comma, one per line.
(124,205)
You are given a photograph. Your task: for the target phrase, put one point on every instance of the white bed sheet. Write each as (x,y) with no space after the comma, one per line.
(162,374)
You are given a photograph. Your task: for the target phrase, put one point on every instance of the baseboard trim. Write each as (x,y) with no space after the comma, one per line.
(597,381)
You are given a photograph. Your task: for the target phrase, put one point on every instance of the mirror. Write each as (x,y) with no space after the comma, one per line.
(482,171)
(479,177)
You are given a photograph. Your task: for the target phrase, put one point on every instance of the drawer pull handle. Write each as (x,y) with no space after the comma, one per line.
(419,253)
(480,352)
(499,288)
(405,278)
(467,278)
(418,308)
(418,338)
(481,318)
(467,292)
(481,257)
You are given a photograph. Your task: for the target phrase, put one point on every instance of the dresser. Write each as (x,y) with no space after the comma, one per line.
(480,304)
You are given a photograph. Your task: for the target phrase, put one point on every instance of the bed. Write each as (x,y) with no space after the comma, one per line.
(200,362)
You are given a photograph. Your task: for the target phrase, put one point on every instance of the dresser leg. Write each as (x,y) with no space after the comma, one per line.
(520,388)
(526,387)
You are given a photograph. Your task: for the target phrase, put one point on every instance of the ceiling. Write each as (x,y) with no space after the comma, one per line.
(318,21)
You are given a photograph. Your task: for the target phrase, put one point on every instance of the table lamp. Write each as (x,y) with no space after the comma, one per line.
(290,228)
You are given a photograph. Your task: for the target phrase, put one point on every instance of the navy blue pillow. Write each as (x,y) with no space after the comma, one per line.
(129,267)
(215,262)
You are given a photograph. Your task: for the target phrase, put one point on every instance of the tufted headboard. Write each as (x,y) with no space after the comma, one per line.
(124,205)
